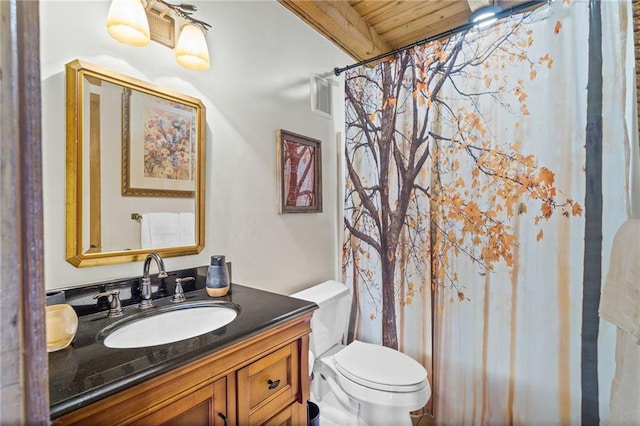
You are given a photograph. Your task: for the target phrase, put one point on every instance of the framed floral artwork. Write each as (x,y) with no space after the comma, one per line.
(159,146)
(299,173)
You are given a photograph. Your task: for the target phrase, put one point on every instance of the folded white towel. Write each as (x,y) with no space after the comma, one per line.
(159,230)
(625,395)
(620,301)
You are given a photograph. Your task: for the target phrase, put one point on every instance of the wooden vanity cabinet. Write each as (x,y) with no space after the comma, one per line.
(204,406)
(261,380)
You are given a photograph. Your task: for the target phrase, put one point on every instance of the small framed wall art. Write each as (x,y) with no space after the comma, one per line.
(299,173)
(160,141)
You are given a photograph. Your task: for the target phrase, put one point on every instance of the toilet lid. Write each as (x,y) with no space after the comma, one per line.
(379,367)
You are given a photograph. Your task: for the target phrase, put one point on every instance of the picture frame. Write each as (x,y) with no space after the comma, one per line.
(299,173)
(160,137)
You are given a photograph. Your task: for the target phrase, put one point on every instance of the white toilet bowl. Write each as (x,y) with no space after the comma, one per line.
(382,384)
(365,384)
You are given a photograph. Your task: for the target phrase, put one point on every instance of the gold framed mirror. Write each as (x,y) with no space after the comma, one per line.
(135,167)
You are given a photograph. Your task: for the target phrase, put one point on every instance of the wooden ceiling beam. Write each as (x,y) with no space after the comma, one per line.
(341,24)
(477,4)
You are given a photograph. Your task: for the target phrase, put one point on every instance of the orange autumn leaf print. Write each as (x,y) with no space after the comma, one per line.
(576,209)
(557,28)
(547,176)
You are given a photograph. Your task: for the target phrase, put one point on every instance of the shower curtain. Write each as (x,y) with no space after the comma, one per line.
(464,208)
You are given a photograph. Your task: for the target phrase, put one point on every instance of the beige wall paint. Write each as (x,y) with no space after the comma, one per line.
(262,58)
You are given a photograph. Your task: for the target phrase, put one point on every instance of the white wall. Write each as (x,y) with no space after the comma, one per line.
(262,57)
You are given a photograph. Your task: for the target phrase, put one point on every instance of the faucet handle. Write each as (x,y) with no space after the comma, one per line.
(178,295)
(115,308)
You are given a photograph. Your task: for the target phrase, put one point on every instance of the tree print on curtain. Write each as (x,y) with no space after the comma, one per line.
(411,126)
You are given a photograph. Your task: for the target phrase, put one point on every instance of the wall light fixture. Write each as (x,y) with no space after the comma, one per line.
(485,16)
(136,22)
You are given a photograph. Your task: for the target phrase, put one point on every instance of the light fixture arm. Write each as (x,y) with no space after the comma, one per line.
(185,10)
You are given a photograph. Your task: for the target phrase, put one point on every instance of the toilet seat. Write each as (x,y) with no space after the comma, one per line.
(380,368)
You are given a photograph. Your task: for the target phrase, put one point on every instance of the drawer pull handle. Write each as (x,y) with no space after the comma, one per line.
(273,384)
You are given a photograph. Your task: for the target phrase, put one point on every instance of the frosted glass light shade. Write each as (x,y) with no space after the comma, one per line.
(127,22)
(192,51)
(484,15)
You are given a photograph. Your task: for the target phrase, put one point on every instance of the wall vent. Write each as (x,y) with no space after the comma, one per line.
(321,96)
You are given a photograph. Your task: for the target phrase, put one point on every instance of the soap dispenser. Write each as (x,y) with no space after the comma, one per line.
(217,283)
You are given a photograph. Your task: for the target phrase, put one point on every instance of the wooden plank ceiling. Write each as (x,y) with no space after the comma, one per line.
(366,28)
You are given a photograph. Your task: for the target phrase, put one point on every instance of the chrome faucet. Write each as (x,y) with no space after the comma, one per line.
(115,307)
(145,285)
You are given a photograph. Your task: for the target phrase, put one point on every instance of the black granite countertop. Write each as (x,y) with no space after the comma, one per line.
(88,371)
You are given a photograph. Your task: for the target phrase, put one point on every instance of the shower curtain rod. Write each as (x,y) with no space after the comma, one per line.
(501,14)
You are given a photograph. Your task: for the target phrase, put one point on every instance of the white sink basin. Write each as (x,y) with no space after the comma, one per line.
(168,324)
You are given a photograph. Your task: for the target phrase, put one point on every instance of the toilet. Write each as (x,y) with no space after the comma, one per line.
(360,383)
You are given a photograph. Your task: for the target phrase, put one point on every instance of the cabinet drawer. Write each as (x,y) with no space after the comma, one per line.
(269,384)
(292,415)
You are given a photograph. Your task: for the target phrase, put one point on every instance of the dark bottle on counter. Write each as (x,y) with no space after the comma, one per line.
(217,277)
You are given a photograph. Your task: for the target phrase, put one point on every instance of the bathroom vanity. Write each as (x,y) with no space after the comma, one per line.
(253,370)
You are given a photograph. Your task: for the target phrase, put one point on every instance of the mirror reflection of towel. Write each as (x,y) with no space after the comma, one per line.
(187,228)
(159,230)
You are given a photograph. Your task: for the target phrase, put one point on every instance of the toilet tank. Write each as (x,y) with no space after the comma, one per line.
(329,322)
